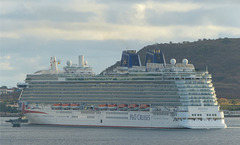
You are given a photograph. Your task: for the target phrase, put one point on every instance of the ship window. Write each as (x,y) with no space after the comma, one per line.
(116,117)
(90,116)
(117,113)
(74,116)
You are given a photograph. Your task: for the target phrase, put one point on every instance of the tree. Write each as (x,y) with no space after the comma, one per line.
(234,101)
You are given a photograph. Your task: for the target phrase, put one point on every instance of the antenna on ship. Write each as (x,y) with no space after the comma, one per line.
(54,64)
(164,60)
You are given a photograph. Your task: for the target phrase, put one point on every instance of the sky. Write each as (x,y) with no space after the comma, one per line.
(33,31)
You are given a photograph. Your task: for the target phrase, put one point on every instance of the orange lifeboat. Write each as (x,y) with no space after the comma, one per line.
(122,106)
(112,106)
(66,106)
(102,106)
(74,106)
(144,106)
(133,106)
(57,106)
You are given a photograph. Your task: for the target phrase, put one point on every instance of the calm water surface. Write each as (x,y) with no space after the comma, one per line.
(54,135)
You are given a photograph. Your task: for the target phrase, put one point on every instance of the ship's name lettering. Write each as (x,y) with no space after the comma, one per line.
(139,117)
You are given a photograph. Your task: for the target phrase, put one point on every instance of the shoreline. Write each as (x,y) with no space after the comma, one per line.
(231,113)
(10,114)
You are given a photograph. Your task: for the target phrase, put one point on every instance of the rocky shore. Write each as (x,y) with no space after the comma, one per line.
(231,113)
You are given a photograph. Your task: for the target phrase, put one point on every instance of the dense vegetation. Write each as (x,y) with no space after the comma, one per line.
(229,104)
(8,100)
(221,57)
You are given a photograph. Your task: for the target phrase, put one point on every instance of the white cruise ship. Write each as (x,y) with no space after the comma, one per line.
(153,95)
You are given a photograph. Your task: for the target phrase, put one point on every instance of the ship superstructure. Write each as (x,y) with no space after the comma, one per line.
(153,95)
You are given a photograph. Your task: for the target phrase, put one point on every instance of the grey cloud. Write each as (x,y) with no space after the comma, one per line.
(217,16)
(119,14)
(216,12)
(107,2)
(228,16)
(174,18)
(48,13)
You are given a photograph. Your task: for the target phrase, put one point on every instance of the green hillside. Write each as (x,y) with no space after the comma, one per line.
(221,57)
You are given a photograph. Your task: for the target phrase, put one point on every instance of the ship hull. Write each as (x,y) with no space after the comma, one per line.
(125,119)
(133,119)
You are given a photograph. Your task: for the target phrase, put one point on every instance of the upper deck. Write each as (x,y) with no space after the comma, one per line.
(156,83)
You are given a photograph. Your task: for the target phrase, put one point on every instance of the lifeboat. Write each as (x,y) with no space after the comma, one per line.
(123,106)
(102,106)
(75,106)
(66,106)
(112,106)
(133,106)
(57,106)
(144,106)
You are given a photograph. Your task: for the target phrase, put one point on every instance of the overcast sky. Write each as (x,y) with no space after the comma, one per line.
(34,30)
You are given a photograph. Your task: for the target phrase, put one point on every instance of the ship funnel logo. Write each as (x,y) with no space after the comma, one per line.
(130,58)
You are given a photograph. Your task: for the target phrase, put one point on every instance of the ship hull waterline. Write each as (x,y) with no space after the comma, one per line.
(130,119)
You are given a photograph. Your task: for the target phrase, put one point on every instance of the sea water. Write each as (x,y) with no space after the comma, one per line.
(61,135)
